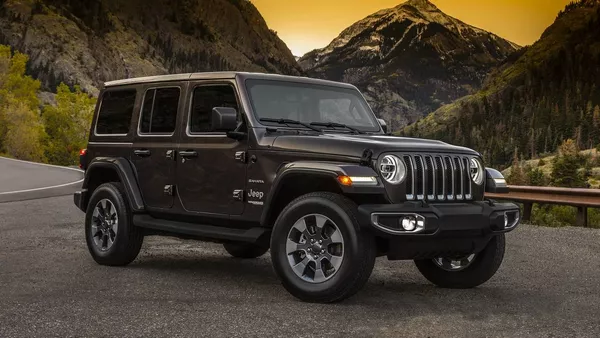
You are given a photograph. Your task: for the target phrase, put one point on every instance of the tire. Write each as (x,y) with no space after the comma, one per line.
(357,249)
(126,240)
(480,270)
(244,250)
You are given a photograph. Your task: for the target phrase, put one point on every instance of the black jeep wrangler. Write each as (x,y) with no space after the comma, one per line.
(296,165)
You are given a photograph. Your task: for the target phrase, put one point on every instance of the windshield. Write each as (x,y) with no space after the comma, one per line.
(309,103)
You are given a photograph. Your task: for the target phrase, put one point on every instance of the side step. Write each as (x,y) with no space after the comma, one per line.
(252,235)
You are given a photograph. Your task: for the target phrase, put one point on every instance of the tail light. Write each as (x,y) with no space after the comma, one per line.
(82,159)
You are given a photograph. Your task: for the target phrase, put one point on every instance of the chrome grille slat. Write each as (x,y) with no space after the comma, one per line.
(438,177)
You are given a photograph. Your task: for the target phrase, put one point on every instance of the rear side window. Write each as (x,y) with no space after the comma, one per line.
(205,99)
(159,112)
(115,113)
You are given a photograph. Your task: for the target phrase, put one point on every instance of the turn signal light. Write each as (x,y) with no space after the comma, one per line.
(345,180)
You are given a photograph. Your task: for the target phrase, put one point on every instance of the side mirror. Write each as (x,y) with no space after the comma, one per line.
(383,125)
(223,119)
(495,182)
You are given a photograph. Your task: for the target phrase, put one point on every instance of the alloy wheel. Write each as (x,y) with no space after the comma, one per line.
(453,264)
(105,223)
(315,248)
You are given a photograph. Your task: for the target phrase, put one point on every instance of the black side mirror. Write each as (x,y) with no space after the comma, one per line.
(383,125)
(224,119)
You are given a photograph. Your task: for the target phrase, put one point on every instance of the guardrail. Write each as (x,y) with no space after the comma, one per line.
(580,198)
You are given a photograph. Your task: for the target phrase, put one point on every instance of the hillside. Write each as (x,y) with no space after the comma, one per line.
(540,96)
(409,60)
(90,42)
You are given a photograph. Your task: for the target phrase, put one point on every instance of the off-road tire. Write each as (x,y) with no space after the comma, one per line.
(129,238)
(244,250)
(358,256)
(484,266)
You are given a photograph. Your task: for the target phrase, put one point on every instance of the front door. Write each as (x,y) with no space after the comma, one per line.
(210,177)
(155,144)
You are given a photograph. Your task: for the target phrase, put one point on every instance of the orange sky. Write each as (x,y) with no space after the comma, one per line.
(308,24)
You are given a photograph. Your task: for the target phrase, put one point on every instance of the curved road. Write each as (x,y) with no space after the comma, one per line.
(21,180)
(548,286)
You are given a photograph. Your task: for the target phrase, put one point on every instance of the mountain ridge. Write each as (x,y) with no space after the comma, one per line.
(542,95)
(88,43)
(409,59)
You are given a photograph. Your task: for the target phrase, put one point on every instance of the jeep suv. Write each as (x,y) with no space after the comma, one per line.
(296,165)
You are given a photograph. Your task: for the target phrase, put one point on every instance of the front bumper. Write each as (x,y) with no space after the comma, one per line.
(445,229)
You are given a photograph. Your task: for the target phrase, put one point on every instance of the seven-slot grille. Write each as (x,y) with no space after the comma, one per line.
(438,177)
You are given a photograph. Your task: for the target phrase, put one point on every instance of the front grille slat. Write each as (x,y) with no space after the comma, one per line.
(437,177)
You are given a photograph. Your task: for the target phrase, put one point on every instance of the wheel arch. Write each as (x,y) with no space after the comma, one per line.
(299,178)
(104,170)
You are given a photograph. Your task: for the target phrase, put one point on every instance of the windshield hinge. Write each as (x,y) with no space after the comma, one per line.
(240,156)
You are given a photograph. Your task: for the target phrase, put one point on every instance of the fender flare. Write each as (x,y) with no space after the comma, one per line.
(326,169)
(126,175)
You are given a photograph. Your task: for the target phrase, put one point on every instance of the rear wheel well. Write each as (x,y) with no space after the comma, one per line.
(296,185)
(97,177)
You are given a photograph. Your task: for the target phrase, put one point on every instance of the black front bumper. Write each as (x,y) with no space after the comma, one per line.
(447,229)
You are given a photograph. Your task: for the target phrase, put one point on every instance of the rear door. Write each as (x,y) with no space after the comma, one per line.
(211,170)
(155,144)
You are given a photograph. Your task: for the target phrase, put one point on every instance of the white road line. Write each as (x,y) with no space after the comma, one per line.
(43,188)
(41,164)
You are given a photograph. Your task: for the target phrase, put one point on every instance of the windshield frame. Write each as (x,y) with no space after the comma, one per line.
(349,89)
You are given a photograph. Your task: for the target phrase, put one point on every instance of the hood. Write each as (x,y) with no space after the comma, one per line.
(354,145)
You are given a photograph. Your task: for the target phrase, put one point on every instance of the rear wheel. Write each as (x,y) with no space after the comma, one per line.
(467,271)
(110,235)
(318,250)
(244,250)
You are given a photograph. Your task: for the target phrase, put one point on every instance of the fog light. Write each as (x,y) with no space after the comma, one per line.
(409,223)
(505,220)
(511,219)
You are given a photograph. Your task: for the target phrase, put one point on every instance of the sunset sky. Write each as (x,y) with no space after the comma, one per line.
(308,24)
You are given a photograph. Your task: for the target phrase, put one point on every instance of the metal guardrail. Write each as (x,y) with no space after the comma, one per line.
(580,198)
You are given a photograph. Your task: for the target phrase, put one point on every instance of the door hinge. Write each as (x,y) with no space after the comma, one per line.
(238,195)
(171,154)
(240,156)
(168,190)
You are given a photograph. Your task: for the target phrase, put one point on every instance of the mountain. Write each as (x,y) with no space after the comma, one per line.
(409,60)
(93,41)
(540,96)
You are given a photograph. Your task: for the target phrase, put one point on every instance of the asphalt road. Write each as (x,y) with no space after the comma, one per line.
(20,180)
(548,286)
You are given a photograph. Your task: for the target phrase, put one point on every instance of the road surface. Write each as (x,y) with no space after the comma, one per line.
(548,286)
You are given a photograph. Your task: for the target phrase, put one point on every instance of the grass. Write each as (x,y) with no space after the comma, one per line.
(561,216)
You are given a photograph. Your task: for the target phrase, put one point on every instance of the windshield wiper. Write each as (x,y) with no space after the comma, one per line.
(289,121)
(336,125)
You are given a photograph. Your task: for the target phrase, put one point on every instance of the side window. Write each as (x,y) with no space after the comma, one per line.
(115,113)
(159,111)
(204,100)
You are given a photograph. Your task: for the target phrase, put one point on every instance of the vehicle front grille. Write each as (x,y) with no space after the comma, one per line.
(438,178)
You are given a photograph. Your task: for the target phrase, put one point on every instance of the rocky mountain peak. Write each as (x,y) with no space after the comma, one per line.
(410,59)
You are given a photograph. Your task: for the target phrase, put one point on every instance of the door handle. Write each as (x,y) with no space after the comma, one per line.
(188,153)
(142,152)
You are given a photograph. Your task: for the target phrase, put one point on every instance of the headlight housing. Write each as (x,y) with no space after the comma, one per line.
(392,169)
(476,170)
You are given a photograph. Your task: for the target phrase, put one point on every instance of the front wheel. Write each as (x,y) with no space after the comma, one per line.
(318,250)
(466,271)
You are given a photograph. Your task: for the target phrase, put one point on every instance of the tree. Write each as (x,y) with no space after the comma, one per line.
(517,174)
(21,130)
(565,169)
(67,124)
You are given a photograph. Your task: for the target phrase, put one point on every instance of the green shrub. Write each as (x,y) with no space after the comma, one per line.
(561,216)
(541,163)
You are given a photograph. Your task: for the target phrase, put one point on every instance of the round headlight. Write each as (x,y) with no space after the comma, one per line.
(392,169)
(476,171)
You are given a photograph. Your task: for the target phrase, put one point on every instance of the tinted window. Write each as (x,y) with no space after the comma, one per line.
(205,99)
(159,111)
(310,103)
(115,112)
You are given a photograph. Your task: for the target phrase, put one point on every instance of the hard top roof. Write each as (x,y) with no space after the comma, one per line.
(222,76)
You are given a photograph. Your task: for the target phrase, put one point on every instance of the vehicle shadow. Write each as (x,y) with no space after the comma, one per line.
(405,293)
